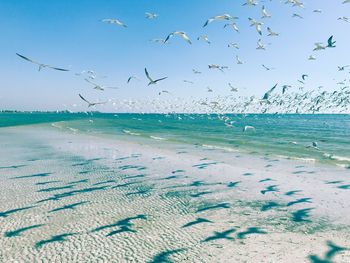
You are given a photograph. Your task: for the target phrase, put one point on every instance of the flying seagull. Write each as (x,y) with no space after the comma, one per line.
(331,42)
(257,25)
(235,45)
(218,18)
(268,93)
(113,22)
(132,77)
(271,33)
(204,38)
(233,25)
(151,81)
(98,86)
(267,68)
(151,15)
(264,13)
(250,3)
(91,104)
(233,89)
(41,65)
(196,71)
(238,60)
(179,33)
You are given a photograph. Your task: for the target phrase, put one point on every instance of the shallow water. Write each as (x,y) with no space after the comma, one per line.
(290,136)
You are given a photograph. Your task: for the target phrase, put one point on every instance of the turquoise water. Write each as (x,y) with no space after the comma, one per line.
(277,135)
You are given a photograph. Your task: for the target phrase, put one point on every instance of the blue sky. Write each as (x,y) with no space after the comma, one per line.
(69,34)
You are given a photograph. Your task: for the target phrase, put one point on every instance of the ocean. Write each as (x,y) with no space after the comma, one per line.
(287,135)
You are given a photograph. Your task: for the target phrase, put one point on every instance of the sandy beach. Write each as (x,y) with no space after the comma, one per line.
(73,197)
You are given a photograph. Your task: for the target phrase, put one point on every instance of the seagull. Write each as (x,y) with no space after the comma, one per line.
(179,33)
(264,13)
(233,89)
(268,93)
(163,91)
(319,46)
(91,104)
(317,11)
(233,25)
(151,81)
(132,77)
(99,87)
(196,71)
(250,3)
(221,68)
(235,45)
(113,21)
(311,57)
(41,65)
(151,15)
(260,45)
(255,23)
(331,42)
(220,17)
(238,60)
(271,33)
(342,68)
(247,127)
(209,89)
(204,38)
(267,68)
(188,81)
(297,15)
(304,76)
(346,2)
(285,87)
(344,18)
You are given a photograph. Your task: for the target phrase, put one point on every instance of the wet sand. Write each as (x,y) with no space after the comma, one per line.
(72,197)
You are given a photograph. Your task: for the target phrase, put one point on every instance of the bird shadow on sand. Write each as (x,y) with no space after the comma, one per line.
(270,188)
(32,176)
(250,231)
(123,224)
(213,207)
(332,251)
(302,215)
(221,235)
(57,238)
(70,206)
(13,166)
(18,232)
(13,211)
(163,257)
(198,220)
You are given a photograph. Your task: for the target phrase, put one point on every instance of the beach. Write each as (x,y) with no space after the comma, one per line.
(69,196)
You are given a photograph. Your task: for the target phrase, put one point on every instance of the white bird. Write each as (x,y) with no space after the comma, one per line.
(235,45)
(346,2)
(260,45)
(268,93)
(132,77)
(41,65)
(113,21)
(238,60)
(344,18)
(91,104)
(257,25)
(250,3)
(233,25)
(151,15)
(297,15)
(221,68)
(319,46)
(179,33)
(264,13)
(99,87)
(267,68)
(151,81)
(311,57)
(196,71)
(248,127)
(188,81)
(317,11)
(209,89)
(271,33)
(233,89)
(219,18)
(342,68)
(204,38)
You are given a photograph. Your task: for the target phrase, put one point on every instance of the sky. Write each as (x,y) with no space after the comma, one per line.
(70,34)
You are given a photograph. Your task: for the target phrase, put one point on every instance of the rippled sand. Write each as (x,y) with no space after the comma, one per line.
(69,197)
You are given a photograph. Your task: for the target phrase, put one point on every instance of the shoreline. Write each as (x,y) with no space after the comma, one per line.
(171,187)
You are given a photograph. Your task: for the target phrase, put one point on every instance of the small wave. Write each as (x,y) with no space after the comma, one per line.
(72,129)
(228,149)
(157,138)
(54,124)
(303,159)
(336,157)
(131,133)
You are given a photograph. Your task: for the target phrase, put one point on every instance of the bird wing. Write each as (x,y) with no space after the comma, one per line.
(28,59)
(185,37)
(84,99)
(60,69)
(147,75)
(160,79)
(91,82)
(168,37)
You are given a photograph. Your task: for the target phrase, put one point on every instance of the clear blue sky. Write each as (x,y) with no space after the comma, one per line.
(68,33)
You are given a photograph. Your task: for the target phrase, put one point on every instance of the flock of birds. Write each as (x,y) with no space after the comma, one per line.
(272,101)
